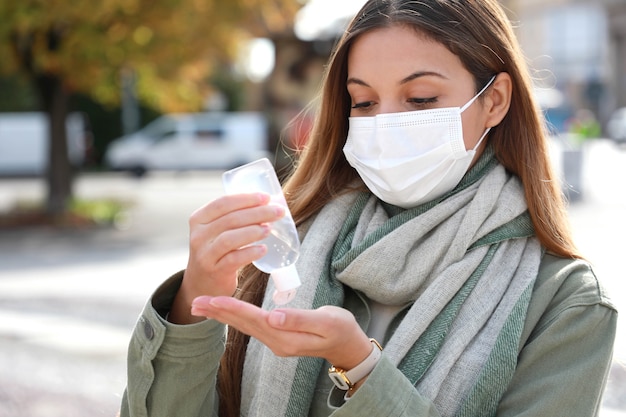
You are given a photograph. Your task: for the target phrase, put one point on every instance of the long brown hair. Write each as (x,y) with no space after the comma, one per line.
(480,34)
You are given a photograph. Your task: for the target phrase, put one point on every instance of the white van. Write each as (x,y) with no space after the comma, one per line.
(186,141)
(24,142)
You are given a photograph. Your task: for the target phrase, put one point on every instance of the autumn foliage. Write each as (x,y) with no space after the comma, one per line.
(169,46)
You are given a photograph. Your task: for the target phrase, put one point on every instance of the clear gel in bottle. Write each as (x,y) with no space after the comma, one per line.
(283,245)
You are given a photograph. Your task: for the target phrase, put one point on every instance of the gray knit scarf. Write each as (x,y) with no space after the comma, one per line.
(467,263)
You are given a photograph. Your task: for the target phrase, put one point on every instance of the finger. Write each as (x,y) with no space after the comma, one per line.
(245,317)
(232,230)
(227,204)
(235,258)
(324,321)
(247,217)
(253,321)
(220,241)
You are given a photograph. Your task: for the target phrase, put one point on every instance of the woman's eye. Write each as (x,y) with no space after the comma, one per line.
(363,105)
(422,101)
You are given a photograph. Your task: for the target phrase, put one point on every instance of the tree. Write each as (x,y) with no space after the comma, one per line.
(170,47)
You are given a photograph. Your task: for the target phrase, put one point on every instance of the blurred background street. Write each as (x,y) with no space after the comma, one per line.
(69,298)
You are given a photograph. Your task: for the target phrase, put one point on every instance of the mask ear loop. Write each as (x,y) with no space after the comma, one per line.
(469,103)
(481,139)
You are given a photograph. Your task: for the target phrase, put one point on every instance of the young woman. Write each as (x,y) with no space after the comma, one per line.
(439,274)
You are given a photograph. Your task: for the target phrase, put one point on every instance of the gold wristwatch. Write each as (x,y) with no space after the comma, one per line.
(345,380)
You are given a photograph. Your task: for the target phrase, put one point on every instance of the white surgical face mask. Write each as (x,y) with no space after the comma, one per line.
(410,158)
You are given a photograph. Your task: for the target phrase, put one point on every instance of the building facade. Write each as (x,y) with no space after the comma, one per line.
(577,47)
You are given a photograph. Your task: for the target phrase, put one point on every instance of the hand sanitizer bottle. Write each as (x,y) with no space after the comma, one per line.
(283,244)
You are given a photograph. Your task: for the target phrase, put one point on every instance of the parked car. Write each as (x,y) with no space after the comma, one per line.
(616,126)
(24,142)
(187,141)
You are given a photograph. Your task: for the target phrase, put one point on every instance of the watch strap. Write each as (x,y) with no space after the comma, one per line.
(345,379)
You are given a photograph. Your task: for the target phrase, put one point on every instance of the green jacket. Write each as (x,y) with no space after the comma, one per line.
(564,358)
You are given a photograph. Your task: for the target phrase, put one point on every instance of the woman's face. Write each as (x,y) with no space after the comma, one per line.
(395,69)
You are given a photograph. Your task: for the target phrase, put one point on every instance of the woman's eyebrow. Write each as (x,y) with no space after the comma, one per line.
(353,80)
(413,76)
(419,74)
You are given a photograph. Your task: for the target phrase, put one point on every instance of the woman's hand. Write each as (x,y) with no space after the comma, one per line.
(328,332)
(221,240)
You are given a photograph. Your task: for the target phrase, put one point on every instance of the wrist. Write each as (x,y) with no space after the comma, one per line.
(180,312)
(348,379)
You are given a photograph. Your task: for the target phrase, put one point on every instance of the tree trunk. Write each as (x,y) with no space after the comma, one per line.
(59,176)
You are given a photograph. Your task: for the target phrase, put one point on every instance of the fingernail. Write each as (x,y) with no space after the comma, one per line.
(277,318)
(201,301)
(260,250)
(280,210)
(264,197)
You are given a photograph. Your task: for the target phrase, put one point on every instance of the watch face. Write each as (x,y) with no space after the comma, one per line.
(339,379)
